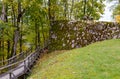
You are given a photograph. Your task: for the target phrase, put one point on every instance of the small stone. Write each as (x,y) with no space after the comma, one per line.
(64,45)
(73,45)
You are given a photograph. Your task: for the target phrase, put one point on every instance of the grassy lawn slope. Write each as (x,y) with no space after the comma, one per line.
(100,60)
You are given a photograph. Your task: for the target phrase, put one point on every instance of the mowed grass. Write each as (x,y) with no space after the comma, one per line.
(100,60)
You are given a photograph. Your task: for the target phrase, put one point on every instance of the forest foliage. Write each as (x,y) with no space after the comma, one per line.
(26,23)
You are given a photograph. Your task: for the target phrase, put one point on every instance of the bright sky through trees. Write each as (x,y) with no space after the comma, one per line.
(107,16)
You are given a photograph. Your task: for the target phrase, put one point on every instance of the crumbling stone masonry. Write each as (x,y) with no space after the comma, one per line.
(75,34)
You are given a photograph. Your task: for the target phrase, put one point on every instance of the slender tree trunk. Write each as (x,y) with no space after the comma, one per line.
(0,49)
(14,16)
(8,41)
(49,9)
(20,42)
(8,49)
(21,37)
(84,7)
(2,46)
(36,35)
(43,33)
(15,41)
(65,9)
(49,15)
(71,9)
(3,17)
(19,14)
(16,34)
(91,10)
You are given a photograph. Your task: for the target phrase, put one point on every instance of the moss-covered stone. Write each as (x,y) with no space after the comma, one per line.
(74,34)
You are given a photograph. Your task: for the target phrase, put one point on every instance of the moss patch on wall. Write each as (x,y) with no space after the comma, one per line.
(75,34)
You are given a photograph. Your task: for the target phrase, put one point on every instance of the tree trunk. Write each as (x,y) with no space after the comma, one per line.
(84,7)
(15,41)
(36,36)
(49,15)
(3,17)
(2,46)
(8,49)
(65,9)
(71,9)
(16,34)
(49,9)
(21,37)
(0,49)
(16,24)
(43,33)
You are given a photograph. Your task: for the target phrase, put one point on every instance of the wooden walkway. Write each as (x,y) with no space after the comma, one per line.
(19,64)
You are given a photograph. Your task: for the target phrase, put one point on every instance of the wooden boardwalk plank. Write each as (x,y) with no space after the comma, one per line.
(22,67)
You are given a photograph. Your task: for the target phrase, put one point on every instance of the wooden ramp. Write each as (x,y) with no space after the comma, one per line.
(21,65)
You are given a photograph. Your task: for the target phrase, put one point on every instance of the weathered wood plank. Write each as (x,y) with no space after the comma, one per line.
(23,65)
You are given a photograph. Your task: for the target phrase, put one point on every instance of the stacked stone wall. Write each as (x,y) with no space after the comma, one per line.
(76,34)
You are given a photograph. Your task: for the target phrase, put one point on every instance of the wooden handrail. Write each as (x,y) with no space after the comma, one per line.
(10,65)
(12,58)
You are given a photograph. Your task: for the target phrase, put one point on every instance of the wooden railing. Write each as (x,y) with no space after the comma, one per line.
(15,58)
(19,64)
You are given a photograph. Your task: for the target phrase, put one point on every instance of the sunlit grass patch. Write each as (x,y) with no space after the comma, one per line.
(96,61)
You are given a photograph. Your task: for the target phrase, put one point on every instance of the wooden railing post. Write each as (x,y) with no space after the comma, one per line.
(24,66)
(10,75)
(34,56)
(29,61)
(24,69)
(26,53)
(14,77)
(32,59)
(31,48)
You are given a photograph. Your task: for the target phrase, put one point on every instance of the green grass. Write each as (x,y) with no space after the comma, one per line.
(100,60)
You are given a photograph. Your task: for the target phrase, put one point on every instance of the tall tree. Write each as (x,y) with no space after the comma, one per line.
(89,8)
(16,24)
(3,17)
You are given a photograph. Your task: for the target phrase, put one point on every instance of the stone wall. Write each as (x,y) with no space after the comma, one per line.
(75,34)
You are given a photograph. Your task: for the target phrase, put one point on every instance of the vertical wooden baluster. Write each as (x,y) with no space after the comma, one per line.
(24,66)
(10,75)
(28,62)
